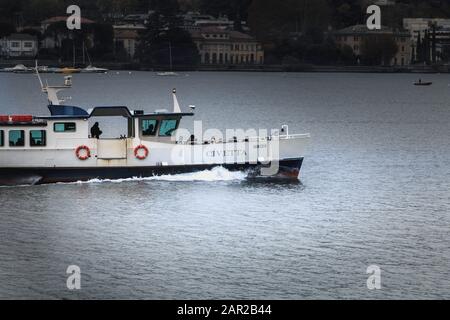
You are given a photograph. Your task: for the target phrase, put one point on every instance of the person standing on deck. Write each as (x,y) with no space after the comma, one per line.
(95,131)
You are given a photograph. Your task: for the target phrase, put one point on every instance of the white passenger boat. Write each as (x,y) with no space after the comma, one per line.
(59,147)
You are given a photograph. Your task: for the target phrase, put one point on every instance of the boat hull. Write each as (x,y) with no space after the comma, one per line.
(287,168)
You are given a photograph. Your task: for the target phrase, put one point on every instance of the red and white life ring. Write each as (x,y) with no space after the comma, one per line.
(83,153)
(138,154)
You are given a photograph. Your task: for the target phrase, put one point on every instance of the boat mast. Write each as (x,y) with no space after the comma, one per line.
(170,54)
(87,53)
(73,53)
(52,91)
(176,105)
(84,58)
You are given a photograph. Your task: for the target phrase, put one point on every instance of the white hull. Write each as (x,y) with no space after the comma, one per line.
(120,153)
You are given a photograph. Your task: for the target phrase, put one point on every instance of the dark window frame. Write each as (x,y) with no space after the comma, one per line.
(23,136)
(44,138)
(2,138)
(177,123)
(155,129)
(65,123)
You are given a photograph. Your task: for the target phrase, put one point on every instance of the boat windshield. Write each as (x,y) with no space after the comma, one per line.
(167,127)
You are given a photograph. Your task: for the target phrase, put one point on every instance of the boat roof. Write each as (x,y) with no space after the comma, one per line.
(74,112)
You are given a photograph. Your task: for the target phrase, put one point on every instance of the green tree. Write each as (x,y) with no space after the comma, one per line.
(236,10)
(103,40)
(38,10)
(164,39)
(346,56)
(6,29)
(325,53)
(378,50)
(272,19)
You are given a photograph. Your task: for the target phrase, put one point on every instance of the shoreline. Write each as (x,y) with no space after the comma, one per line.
(117,66)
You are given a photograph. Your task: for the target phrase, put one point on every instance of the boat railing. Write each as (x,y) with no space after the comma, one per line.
(295,136)
(245,140)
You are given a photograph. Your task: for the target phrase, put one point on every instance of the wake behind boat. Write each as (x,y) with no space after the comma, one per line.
(61,147)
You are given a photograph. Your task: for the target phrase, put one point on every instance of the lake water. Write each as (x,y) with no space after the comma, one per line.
(375,190)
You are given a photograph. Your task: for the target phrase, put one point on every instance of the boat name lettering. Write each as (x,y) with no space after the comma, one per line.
(260,146)
(226,153)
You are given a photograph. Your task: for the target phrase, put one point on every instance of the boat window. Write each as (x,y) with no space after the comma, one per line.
(37,138)
(65,127)
(17,138)
(167,127)
(2,138)
(149,127)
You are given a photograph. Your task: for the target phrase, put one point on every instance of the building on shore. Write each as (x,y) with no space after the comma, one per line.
(220,46)
(54,39)
(196,21)
(19,45)
(442,38)
(60,19)
(126,37)
(384,3)
(356,36)
(137,18)
(418,26)
(430,38)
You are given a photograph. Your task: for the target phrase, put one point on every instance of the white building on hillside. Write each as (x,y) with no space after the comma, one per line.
(19,46)
(417,26)
(127,37)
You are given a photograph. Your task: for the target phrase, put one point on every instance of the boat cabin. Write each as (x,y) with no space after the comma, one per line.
(70,125)
(67,127)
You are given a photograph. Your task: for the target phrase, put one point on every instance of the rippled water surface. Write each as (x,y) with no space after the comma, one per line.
(375,190)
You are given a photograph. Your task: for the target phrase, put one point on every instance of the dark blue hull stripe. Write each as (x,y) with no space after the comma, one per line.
(18,176)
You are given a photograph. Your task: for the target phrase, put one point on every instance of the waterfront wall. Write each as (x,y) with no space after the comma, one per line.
(244,68)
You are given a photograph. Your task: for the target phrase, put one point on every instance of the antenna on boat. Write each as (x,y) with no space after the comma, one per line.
(176,105)
(52,91)
(38,75)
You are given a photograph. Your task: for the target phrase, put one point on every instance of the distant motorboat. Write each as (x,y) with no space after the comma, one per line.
(20,68)
(92,69)
(53,70)
(68,70)
(43,69)
(420,83)
(167,74)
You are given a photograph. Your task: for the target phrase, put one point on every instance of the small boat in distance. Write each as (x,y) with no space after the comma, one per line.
(68,70)
(420,83)
(92,69)
(20,68)
(167,74)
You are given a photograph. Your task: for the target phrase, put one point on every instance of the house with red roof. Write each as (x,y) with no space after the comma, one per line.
(54,39)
